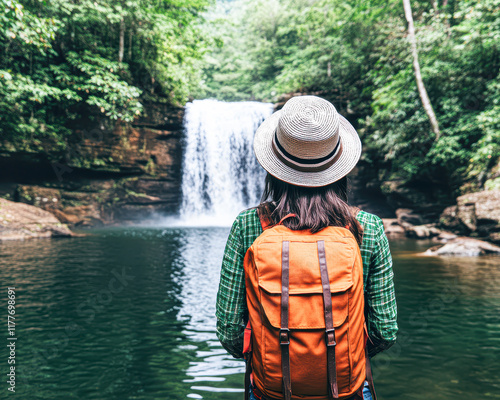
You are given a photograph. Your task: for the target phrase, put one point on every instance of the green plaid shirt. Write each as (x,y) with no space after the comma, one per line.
(232,311)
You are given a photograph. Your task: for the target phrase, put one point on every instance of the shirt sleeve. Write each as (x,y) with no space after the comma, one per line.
(380,295)
(231,310)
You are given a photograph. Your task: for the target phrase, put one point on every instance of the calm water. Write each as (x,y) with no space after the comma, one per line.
(129,314)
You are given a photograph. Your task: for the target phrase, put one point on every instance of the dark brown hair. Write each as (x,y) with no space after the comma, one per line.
(315,207)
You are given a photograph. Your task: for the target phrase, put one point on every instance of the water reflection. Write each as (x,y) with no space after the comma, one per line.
(201,255)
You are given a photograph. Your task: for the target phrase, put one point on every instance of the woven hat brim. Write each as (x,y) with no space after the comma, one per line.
(351,152)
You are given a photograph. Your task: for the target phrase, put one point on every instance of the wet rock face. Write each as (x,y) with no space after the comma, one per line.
(426,198)
(109,174)
(407,216)
(475,214)
(20,221)
(150,146)
(93,203)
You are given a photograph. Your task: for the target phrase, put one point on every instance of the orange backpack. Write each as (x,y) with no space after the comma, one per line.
(306,313)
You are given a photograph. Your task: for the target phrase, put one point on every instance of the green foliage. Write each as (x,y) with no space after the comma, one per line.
(356,54)
(62,62)
(99,84)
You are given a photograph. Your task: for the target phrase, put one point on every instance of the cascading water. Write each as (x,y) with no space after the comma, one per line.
(220,175)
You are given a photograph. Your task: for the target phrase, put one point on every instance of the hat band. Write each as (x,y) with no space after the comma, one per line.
(306,164)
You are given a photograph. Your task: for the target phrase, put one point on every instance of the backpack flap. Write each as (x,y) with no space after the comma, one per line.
(306,293)
(305,309)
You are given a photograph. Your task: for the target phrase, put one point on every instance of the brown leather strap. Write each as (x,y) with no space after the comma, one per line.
(369,376)
(330,330)
(284,331)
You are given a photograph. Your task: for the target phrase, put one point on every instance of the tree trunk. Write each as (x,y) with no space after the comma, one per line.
(130,43)
(418,76)
(452,7)
(122,40)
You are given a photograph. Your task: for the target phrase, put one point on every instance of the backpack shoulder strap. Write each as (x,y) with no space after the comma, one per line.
(267,224)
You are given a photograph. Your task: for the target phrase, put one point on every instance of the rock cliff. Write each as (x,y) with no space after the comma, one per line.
(106,173)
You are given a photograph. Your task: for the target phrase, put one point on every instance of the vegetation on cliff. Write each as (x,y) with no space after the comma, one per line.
(357,54)
(61,62)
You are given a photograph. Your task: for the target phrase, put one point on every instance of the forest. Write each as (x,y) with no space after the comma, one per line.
(61,60)
(64,60)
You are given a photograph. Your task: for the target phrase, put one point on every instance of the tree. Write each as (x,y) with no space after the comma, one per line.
(418,75)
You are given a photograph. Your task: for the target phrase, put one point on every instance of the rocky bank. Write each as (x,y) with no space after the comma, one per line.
(19,221)
(475,214)
(469,228)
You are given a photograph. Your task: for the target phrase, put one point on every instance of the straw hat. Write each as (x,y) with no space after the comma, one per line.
(307,143)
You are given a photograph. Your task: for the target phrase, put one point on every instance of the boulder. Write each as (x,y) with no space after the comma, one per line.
(444,237)
(466,214)
(392,227)
(475,213)
(407,216)
(19,221)
(485,206)
(464,247)
(449,218)
(422,231)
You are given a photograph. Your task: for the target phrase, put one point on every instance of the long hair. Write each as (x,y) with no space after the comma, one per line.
(315,207)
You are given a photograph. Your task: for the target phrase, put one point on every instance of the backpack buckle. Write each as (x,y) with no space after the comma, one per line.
(284,336)
(330,337)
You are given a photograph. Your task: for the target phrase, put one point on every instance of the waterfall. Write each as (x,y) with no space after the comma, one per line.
(220,175)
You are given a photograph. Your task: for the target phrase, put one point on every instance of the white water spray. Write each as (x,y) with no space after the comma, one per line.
(220,175)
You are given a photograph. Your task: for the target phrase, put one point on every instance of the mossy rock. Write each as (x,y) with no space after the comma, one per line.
(46,198)
(492,184)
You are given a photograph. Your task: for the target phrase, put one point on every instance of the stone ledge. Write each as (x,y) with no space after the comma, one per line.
(19,221)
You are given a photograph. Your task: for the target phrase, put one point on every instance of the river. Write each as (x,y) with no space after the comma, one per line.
(128,313)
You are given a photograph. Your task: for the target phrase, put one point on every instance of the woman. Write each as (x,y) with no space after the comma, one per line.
(307,148)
